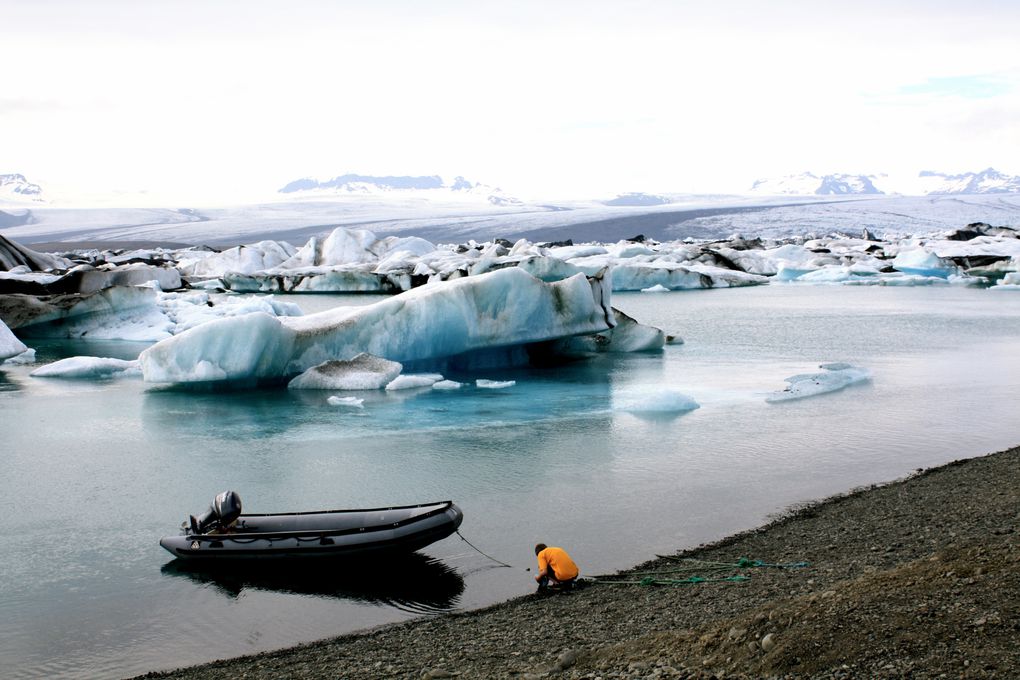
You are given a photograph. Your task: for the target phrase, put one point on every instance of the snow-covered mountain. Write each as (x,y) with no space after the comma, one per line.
(14,188)
(988,181)
(807,183)
(927,183)
(424,186)
(637,198)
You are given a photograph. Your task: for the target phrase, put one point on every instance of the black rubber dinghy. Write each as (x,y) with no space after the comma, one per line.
(223,533)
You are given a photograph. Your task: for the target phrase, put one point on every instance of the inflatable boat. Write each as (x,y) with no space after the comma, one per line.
(224,533)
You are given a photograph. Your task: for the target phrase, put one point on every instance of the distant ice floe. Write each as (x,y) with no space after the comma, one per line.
(494,384)
(88,368)
(447,385)
(349,402)
(655,401)
(412,381)
(835,376)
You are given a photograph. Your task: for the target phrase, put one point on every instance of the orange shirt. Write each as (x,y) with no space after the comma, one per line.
(558,563)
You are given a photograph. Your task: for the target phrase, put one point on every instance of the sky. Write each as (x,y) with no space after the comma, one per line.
(220,101)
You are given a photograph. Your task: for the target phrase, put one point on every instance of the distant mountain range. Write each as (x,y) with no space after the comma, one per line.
(928,183)
(808,183)
(379,185)
(14,188)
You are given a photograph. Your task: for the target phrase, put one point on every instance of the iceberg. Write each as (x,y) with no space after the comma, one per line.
(836,376)
(447,385)
(502,309)
(87,368)
(23,359)
(120,313)
(10,346)
(363,372)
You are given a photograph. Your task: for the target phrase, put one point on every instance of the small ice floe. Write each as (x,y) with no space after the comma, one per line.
(349,402)
(657,288)
(836,376)
(87,368)
(413,380)
(494,384)
(363,372)
(658,401)
(447,385)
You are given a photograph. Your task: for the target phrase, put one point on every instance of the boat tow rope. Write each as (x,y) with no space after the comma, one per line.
(502,564)
(681,574)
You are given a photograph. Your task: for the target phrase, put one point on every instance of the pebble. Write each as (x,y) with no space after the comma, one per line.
(768,643)
(566,659)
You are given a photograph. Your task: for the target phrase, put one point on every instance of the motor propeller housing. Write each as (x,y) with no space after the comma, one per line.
(224,511)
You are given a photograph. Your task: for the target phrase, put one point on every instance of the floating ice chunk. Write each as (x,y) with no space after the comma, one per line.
(88,368)
(26,357)
(411,381)
(921,262)
(657,401)
(494,384)
(657,288)
(10,346)
(447,385)
(363,372)
(836,376)
(350,402)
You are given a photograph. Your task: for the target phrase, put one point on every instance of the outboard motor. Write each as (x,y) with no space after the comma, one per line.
(223,512)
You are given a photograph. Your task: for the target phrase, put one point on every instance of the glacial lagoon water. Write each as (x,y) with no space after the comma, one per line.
(93,473)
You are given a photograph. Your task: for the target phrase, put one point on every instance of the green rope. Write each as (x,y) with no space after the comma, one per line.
(659,577)
(693,580)
(741,563)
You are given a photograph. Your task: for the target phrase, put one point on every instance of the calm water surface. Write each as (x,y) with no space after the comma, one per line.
(93,473)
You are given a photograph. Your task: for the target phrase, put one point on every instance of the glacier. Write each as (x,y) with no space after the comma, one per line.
(506,308)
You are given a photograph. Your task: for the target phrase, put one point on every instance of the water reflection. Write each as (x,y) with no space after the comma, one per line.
(414,583)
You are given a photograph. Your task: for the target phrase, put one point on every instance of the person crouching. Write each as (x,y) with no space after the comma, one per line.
(555,568)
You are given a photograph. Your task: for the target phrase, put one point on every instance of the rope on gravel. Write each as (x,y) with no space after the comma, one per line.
(503,564)
(741,563)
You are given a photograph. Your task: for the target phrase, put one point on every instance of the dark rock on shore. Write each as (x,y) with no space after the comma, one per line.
(919,578)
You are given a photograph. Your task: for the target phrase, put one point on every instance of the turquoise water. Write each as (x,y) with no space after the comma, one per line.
(95,472)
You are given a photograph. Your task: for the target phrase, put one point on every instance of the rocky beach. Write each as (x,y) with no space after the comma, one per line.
(917,578)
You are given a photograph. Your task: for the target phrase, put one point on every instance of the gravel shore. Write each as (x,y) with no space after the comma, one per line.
(918,578)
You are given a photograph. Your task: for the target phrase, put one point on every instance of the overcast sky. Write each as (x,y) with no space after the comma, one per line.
(213,101)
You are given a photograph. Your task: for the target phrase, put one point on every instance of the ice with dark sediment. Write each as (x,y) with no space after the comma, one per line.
(834,376)
(501,309)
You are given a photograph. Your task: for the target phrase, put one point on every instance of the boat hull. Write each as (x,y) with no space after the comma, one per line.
(357,534)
